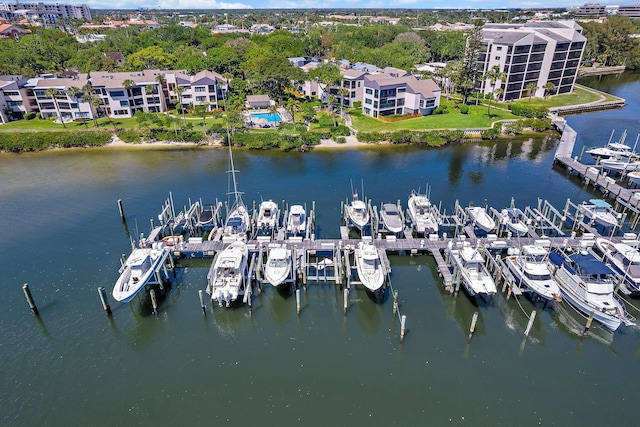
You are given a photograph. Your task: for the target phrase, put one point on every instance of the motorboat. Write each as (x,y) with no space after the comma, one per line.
(620,164)
(297,221)
(391,218)
(531,272)
(278,267)
(369,265)
(358,212)
(480,218)
(612,149)
(208,217)
(268,216)
(237,222)
(588,285)
(421,214)
(599,212)
(624,260)
(227,276)
(634,177)
(137,271)
(469,267)
(514,219)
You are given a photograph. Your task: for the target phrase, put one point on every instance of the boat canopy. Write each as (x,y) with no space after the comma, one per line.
(599,203)
(588,264)
(234,221)
(631,254)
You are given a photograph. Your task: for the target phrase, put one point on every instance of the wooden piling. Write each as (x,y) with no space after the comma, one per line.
(395,302)
(121,209)
(154,303)
(104,300)
(403,322)
(530,324)
(202,306)
(298,300)
(32,304)
(345,293)
(588,325)
(474,320)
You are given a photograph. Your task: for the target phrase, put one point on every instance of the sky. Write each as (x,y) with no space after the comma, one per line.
(330,4)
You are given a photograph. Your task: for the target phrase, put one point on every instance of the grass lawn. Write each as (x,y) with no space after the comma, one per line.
(580,95)
(476,118)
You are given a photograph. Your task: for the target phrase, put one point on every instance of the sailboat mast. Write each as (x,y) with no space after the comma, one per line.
(233,170)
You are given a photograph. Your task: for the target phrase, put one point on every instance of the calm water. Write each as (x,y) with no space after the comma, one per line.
(74,366)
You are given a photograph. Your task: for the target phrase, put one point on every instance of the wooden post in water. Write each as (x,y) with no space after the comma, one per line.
(403,322)
(105,300)
(345,293)
(202,306)
(588,325)
(474,320)
(154,303)
(530,324)
(120,208)
(298,301)
(32,304)
(395,302)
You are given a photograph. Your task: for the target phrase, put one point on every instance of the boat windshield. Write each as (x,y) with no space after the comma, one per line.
(538,277)
(278,263)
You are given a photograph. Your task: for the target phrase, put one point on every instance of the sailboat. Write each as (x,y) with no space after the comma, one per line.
(237,222)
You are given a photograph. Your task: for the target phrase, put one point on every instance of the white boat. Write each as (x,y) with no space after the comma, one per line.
(634,177)
(514,219)
(268,216)
(357,212)
(390,216)
(620,164)
(531,271)
(278,267)
(624,260)
(469,263)
(137,271)
(297,221)
(237,222)
(208,217)
(227,276)
(369,265)
(612,149)
(588,285)
(421,215)
(599,212)
(480,218)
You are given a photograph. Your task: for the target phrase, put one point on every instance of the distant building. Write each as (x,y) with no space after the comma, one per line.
(534,52)
(631,11)
(118,58)
(49,12)
(8,31)
(590,10)
(258,101)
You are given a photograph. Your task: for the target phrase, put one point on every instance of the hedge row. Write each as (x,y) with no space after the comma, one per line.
(35,141)
(523,110)
(266,141)
(429,138)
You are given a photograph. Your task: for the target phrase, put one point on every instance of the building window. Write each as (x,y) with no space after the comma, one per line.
(14,103)
(497,58)
(369,91)
(353,94)
(212,88)
(116,93)
(201,98)
(11,93)
(124,103)
(367,111)
(120,112)
(367,101)
(358,84)
(498,48)
(199,89)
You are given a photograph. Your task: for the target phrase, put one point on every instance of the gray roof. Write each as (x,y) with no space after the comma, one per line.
(258,98)
(425,87)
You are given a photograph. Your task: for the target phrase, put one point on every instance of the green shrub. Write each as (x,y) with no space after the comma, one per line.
(357,104)
(35,141)
(538,125)
(492,133)
(524,110)
(442,109)
(340,130)
(30,115)
(130,135)
(464,109)
(341,140)
(325,120)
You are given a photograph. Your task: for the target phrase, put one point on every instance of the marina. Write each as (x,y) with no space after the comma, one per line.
(289,361)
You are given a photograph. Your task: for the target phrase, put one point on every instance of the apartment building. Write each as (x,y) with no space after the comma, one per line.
(120,94)
(387,94)
(590,10)
(631,10)
(50,12)
(533,52)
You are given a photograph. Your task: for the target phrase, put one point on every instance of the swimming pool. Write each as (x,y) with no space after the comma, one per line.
(269,117)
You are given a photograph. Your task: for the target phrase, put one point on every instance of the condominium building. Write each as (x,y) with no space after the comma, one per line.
(387,94)
(50,12)
(534,52)
(590,10)
(113,94)
(632,10)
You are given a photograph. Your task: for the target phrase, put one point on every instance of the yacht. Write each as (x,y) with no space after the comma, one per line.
(612,149)
(138,270)
(278,267)
(531,271)
(421,214)
(369,266)
(620,164)
(481,219)
(237,222)
(624,260)
(227,276)
(268,216)
(469,263)
(588,285)
(514,219)
(297,221)
(599,212)
(390,216)
(358,212)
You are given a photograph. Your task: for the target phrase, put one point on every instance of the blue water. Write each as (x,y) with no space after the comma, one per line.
(272,118)
(75,366)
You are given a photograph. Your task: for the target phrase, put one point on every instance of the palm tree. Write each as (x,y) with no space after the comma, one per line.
(95,103)
(549,88)
(52,92)
(343,92)
(493,75)
(179,91)
(531,90)
(75,92)
(273,110)
(220,85)
(331,99)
